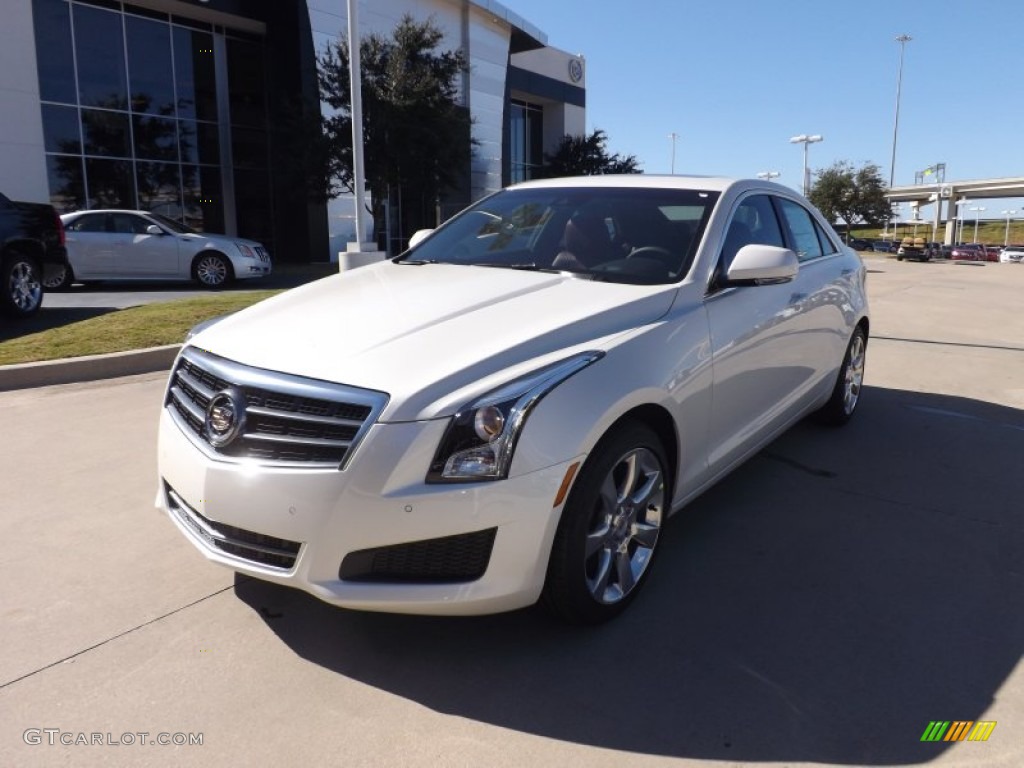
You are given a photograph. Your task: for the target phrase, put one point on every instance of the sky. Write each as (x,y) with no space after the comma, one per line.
(735,79)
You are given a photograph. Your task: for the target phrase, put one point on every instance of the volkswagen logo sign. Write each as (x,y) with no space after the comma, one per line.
(225,417)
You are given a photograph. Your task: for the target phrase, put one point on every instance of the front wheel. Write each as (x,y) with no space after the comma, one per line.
(21,289)
(609,528)
(212,270)
(846,393)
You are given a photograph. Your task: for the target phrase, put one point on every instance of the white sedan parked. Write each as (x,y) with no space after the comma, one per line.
(137,245)
(510,411)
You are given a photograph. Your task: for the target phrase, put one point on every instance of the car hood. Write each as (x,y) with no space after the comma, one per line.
(431,336)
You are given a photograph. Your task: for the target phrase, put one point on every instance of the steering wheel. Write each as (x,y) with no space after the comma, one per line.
(654,252)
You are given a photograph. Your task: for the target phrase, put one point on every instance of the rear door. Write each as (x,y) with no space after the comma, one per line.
(90,246)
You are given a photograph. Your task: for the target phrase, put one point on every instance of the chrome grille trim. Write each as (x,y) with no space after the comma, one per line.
(232,541)
(291,421)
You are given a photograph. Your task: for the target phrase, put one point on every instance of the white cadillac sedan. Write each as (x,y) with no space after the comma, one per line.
(137,245)
(512,409)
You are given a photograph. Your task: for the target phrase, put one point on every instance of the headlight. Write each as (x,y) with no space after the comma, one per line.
(481,438)
(246,250)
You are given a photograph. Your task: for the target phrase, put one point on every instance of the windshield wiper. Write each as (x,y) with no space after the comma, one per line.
(524,266)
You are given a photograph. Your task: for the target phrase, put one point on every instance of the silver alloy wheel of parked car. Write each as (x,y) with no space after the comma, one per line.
(59,279)
(625,525)
(609,528)
(23,291)
(853,373)
(212,270)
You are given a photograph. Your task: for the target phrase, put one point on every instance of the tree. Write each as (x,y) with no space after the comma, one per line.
(587,156)
(416,136)
(853,195)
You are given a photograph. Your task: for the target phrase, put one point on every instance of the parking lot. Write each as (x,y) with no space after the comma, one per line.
(822,605)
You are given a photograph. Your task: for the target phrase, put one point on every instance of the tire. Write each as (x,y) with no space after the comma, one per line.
(60,281)
(610,526)
(212,270)
(21,289)
(899,257)
(846,392)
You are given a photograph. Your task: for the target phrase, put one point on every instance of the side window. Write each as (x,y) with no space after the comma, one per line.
(826,242)
(753,222)
(126,224)
(92,223)
(803,229)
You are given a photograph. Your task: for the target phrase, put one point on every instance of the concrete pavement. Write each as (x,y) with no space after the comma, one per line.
(820,606)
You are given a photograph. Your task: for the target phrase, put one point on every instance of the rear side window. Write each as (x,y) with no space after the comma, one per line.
(809,241)
(96,222)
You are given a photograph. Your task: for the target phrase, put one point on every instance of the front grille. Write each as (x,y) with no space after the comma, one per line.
(261,252)
(289,420)
(247,545)
(433,561)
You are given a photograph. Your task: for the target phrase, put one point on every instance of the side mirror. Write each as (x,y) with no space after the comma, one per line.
(419,236)
(763,264)
(153,229)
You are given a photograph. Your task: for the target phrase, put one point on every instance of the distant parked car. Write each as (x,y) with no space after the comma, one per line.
(969,252)
(859,244)
(138,245)
(992,252)
(883,246)
(1012,254)
(31,249)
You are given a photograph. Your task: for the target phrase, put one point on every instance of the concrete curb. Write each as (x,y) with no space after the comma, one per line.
(89,368)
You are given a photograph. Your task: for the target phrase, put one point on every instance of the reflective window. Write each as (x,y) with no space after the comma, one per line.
(526,140)
(195,74)
(61,130)
(803,229)
(127,224)
(245,83)
(90,222)
(159,186)
(204,203)
(156,138)
(56,62)
(99,50)
(199,142)
(754,222)
(67,182)
(106,133)
(111,183)
(149,66)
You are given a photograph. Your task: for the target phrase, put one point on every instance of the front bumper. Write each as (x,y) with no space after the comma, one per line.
(297,526)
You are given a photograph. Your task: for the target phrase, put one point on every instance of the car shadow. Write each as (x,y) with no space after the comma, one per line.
(822,604)
(47,318)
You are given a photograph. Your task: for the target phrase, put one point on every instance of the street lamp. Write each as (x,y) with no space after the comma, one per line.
(902,40)
(768,175)
(1006,237)
(977,212)
(804,139)
(673,136)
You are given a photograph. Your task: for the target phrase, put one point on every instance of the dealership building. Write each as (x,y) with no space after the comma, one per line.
(181,107)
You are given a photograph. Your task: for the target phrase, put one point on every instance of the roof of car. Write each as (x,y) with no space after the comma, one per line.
(649,181)
(105,210)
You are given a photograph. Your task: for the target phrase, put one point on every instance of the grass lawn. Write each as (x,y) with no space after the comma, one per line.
(152,325)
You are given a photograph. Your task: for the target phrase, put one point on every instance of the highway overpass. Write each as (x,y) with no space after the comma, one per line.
(950,192)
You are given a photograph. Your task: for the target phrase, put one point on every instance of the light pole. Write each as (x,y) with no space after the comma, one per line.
(768,175)
(804,139)
(1006,237)
(902,40)
(977,213)
(673,136)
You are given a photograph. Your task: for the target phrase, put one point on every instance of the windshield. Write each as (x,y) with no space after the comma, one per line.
(625,235)
(174,226)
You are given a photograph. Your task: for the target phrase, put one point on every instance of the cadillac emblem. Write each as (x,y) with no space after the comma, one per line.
(575,70)
(225,417)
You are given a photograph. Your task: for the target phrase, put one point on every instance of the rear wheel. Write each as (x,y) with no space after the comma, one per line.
(21,289)
(609,528)
(846,393)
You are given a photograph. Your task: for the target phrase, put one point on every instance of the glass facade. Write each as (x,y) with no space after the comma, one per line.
(526,134)
(134,115)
